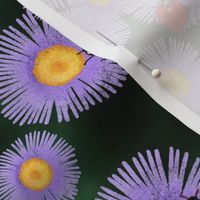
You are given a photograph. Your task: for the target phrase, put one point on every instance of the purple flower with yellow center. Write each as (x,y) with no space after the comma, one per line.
(40,69)
(148,180)
(43,168)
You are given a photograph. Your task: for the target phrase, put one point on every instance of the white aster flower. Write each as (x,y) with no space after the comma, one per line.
(179,63)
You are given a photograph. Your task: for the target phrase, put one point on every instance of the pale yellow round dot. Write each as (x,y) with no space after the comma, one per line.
(58,65)
(35,174)
(100,3)
(175,82)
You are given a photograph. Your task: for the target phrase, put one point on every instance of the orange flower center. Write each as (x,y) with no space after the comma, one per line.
(58,65)
(35,174)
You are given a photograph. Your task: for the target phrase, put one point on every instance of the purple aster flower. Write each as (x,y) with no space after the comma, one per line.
(147,179)
(40,69)
(41,169)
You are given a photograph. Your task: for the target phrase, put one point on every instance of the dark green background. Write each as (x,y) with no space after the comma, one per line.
(110,132)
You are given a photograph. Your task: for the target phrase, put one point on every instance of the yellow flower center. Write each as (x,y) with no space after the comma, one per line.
(175,82)
(100,2)
(35,174)
(58,65)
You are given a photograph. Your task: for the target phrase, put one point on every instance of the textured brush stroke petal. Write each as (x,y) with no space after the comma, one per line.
(147,179)
(27,101)
(59,154)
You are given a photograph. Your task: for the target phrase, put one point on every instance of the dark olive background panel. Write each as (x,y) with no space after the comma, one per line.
(110,132)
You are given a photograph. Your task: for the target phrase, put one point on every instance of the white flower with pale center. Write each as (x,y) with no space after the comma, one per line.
(142,9)
(59,5)
(180,66)
(175,15)
(193,11)
(106,26)
(114,6)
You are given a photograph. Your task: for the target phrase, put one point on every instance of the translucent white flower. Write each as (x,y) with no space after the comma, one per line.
(98,5)
(193,9)
(142,9)
(101,18)
(180,66)
(105,26)
(58,5)
(176,15)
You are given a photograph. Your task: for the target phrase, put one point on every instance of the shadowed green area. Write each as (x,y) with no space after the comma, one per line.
(110,132)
